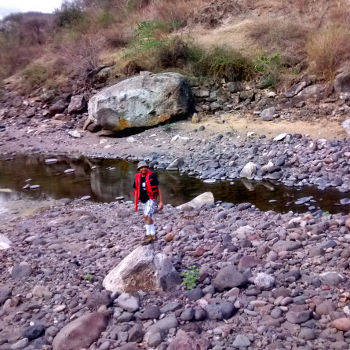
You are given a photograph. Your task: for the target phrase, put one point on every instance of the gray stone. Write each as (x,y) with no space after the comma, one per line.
(5,293)
(346,125)
(176,164)
(228,309)
(188,341)
(143,269)
(206,198)
(150,313)
(136,333)
(20,344)
(298,317)
(248,170)
(331,278)
(342,83)
(227,278)
(187,315)
(268,114)
(143,100)
(154,338)
(23,270)
(286,246)
(241,341)
(33,332)
(166,323)
(307,334)
(128,302)
(293,91)
(77,104)
(264,281)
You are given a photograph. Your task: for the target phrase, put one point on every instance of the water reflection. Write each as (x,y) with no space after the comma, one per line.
(104,180)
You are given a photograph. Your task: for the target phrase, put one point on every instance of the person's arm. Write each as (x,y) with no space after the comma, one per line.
(160,204)
(135,200)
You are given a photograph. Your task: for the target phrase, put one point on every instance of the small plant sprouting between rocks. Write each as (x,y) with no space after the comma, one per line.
(190,277)
(89,277)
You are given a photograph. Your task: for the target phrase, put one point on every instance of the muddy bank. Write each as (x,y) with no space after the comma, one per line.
(304,261)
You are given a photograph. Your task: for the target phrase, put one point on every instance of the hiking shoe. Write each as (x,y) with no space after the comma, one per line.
(147,240)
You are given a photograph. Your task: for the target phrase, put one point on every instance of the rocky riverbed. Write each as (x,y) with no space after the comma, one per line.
(266,280)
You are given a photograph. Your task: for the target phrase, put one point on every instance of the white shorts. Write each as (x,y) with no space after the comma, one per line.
(150,207)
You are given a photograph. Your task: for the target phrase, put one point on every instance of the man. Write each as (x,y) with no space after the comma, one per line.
(146,189)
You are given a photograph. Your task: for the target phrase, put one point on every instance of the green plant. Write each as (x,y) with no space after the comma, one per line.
(325,213)
(190,277)
(269,68)
(89,277)
(68,15)
(222,63)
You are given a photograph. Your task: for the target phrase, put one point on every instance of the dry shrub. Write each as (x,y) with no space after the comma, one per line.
(117,37)
(82,55)
(171,11)
(327,49)
(279,35)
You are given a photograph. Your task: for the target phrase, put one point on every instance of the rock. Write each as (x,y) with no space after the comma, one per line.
(150,313)
(74,133)
(20,344)
(128,302)
(142,269)
(313,91)
(228,309)
(5,243)
(166,323)
(248,170)
(227,278)
(346,125)
(293,91)
(307,334)
(5,293)
(187,315)
(96,299)
(206,198)
(342,324)
(247,262)
(141,101)
(286,246)
(77,104)
(297,317)
(280,137)
(331,278)
(34,332)
(81,333)
(154,337)
(51,161)
(342,83)
(23,270)
(325,308)
(264,281)
(136,333)
(188,341)
(268,114)
(194,294)
(176,164)
(58,107)
(241,341)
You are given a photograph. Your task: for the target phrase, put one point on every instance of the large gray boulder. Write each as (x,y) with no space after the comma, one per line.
(144,100)
(342,83)
(143,269)
(206,198)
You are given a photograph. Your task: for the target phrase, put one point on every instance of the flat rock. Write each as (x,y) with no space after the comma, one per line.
(188,341)
(206,198)
(81,333)
(227,278)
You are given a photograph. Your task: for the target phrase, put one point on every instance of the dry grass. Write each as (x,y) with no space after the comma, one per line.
(279,35)
(328,49)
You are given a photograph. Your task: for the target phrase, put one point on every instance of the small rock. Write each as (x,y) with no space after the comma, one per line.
(241,341)
(342,324)
(264,281)
(128,302)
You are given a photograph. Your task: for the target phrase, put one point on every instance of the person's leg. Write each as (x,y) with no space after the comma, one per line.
(148,216)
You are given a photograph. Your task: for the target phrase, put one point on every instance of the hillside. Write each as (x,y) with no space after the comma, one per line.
(276,41)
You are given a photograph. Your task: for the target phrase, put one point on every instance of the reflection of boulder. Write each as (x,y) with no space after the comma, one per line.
(107,184)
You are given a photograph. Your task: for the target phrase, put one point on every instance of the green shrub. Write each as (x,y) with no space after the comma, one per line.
(68,15)
(269,68)
(190,277)
(223,63)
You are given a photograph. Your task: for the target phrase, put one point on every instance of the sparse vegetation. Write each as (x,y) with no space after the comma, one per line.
(190,277)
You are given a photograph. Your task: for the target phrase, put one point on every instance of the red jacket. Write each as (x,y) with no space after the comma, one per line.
(152,191)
